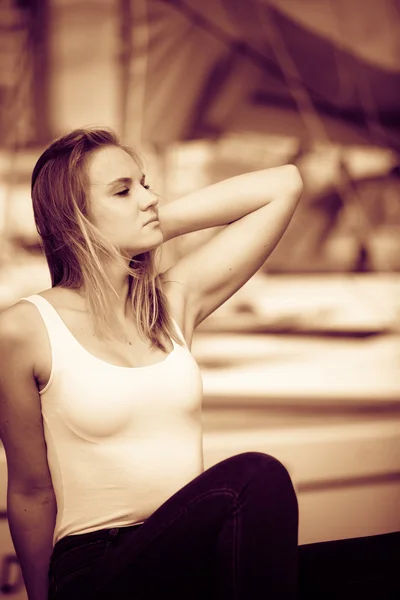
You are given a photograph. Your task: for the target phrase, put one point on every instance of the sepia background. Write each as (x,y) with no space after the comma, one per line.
(304,361)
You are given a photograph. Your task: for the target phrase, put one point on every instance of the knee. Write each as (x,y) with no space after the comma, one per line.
(268,473)
(271,488)
(265,462)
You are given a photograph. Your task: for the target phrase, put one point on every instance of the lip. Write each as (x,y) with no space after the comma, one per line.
(153,220)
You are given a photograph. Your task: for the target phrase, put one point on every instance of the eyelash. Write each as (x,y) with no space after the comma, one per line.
(126,191)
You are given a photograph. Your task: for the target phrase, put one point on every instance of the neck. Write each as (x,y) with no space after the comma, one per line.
(120,281)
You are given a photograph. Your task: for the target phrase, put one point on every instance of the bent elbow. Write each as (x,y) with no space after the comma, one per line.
(294,179)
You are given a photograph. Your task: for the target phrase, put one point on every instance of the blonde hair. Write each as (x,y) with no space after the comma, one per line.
(74,246)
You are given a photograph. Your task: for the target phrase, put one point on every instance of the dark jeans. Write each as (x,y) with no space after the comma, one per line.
(230,533)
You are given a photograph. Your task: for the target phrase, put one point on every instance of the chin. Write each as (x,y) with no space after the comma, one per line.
(152,245)
(158,240)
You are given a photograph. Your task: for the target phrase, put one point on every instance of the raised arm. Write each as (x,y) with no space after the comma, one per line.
(255,208)
(31,505)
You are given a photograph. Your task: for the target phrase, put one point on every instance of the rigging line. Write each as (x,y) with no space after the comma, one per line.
(345,186)
(292,77)
(367,101)
(15,97)
(362,84)
(312,120)
(239,46)
(137,72)
(13,108)
(366,97)
(317,97)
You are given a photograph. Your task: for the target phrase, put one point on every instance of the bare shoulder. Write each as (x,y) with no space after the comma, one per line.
(64,298)
(57,295)
(16,323)
(21,321)
(21,332)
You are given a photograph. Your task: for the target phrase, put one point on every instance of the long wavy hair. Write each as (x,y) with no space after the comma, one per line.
(75,249)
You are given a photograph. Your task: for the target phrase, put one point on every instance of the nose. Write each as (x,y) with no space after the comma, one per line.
(150,199)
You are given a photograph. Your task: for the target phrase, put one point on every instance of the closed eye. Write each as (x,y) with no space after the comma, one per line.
(123,192)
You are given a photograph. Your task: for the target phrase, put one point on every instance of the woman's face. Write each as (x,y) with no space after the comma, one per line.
(121,207)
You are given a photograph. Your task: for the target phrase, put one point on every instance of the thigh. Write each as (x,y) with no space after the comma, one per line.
(174,549)
(72,564)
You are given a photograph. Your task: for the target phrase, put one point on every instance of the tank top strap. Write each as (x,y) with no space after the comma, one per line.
(53,324)
(179,332)
(48,313)
(56,328)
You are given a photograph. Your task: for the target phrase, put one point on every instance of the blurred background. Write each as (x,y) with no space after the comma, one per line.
(303,362)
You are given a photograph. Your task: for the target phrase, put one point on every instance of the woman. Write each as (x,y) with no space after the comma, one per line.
(101,397)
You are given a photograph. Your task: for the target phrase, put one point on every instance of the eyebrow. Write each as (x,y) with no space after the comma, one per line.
(126,180)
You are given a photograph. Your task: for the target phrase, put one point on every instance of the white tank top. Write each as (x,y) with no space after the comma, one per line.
(120,440)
